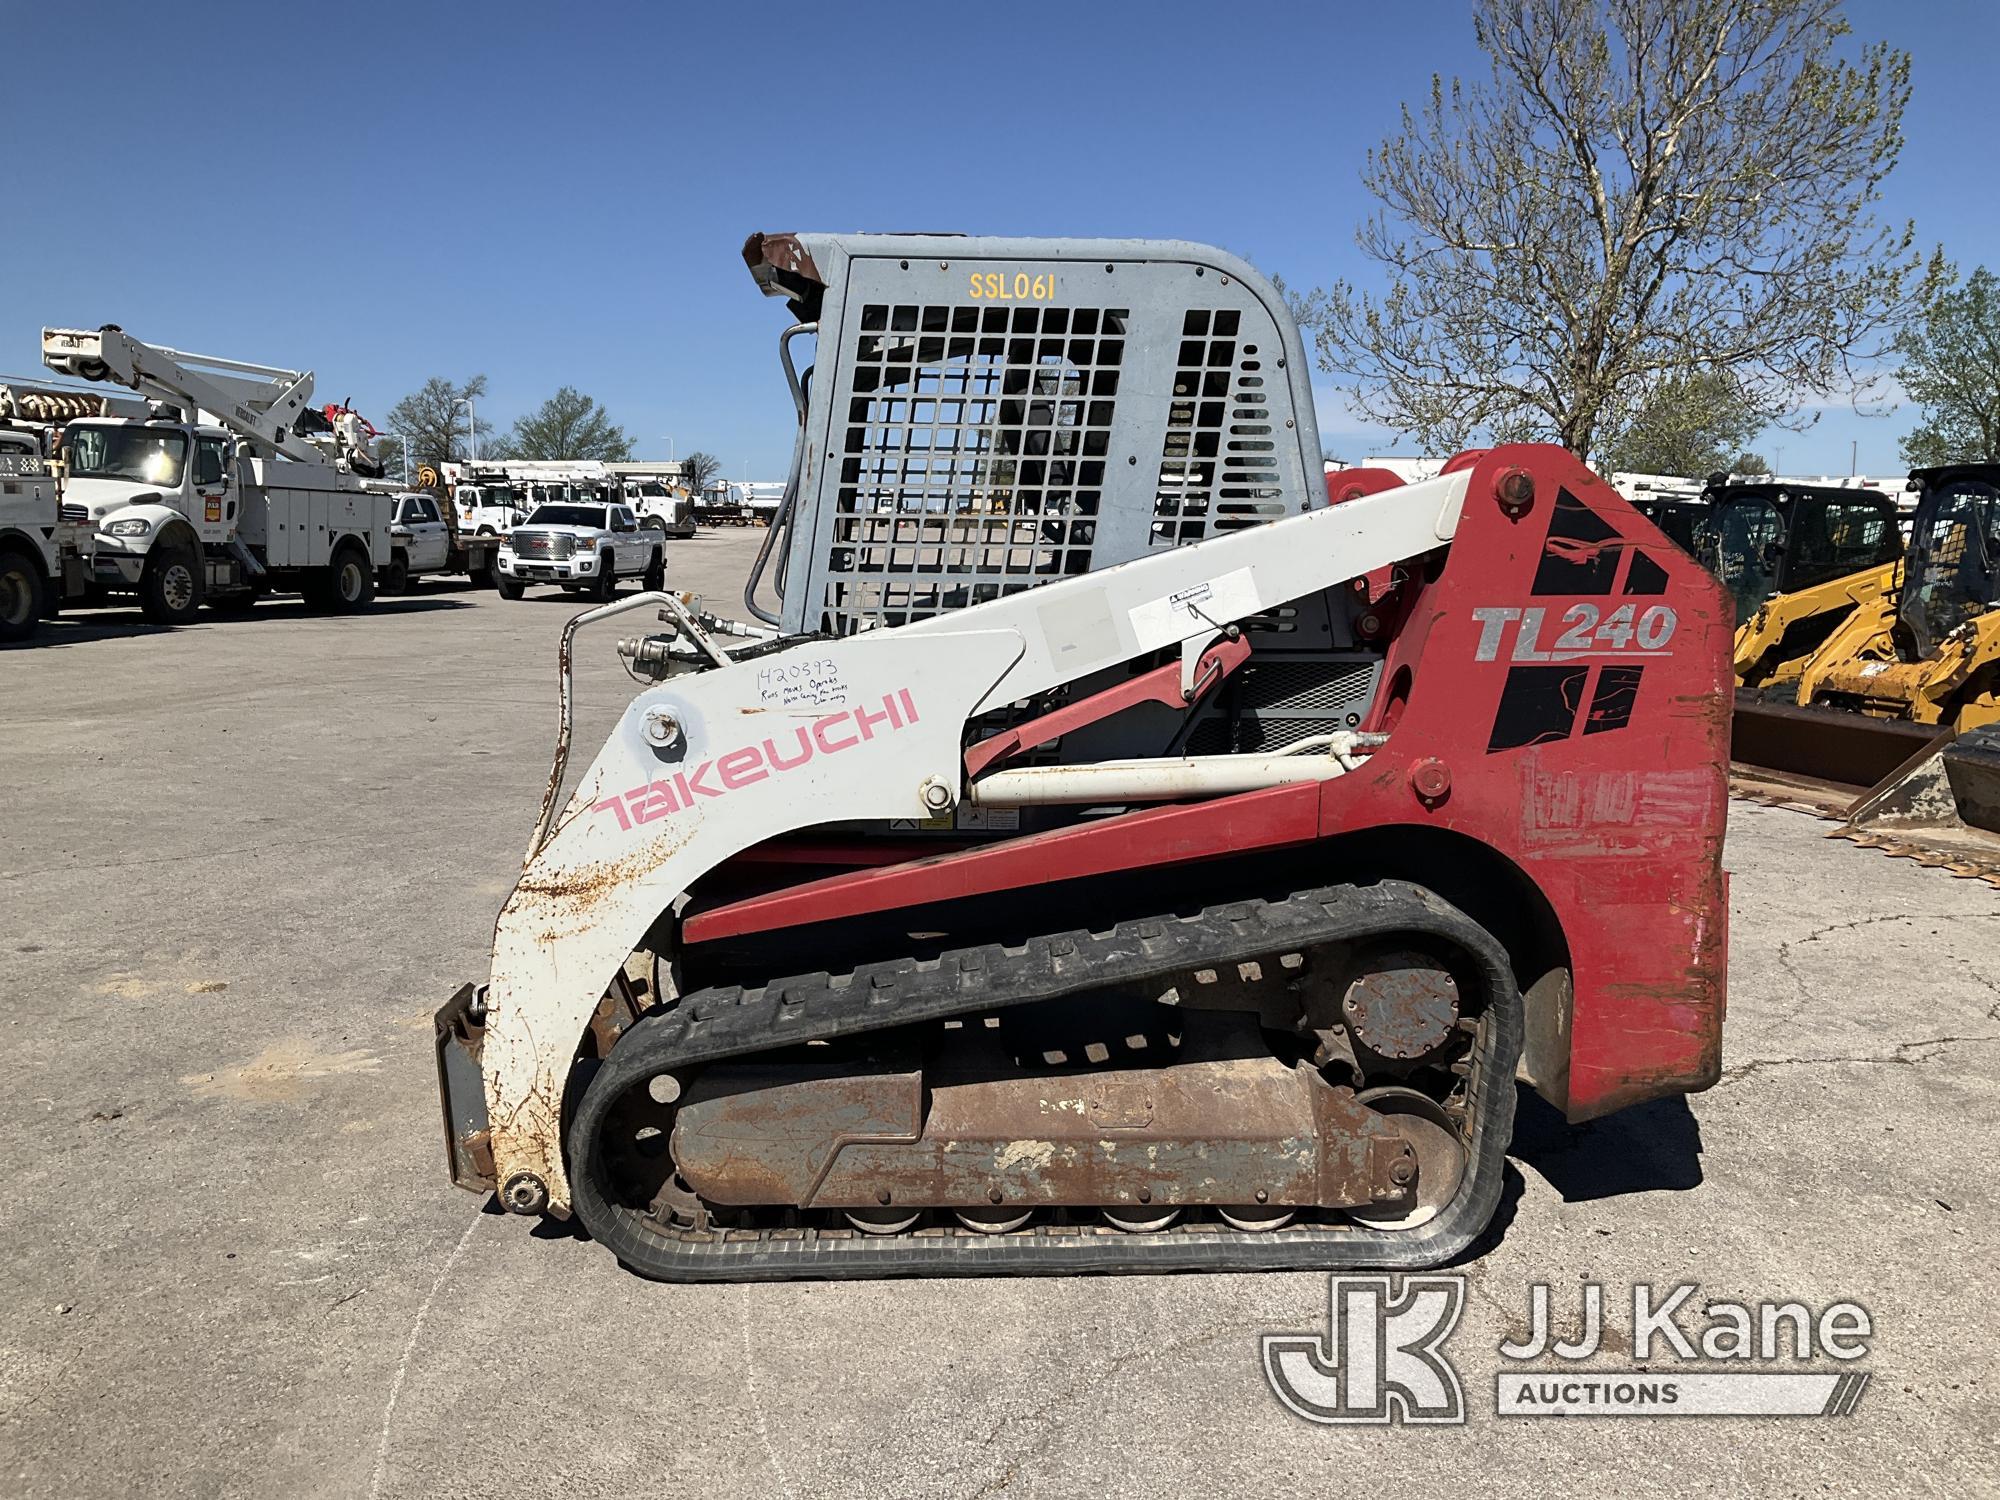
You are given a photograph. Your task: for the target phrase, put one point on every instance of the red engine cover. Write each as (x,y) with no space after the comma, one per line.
(1569,681)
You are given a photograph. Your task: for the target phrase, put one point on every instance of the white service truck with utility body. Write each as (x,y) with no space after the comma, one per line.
(30,556)
(232,488)
(581,548)
(43,552)
(488,510)
(657,496)
(483,497)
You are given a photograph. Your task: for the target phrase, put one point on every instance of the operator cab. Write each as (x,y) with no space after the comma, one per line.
(1953,572)
(1677,518)
(1768,538)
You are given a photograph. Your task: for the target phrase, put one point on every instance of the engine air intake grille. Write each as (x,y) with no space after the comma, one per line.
(1218,465)
(971,458)
(1274,703)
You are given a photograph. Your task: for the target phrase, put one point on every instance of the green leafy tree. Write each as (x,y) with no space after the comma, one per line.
(1751,466)
(570,425)
(1687,425)
(1642,188)
(699,468)
(1951,368)
(437,419)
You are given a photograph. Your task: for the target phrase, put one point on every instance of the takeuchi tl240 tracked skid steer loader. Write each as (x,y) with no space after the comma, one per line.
(1129,850)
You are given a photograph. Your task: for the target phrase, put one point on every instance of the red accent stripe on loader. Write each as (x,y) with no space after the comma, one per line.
(1265,819)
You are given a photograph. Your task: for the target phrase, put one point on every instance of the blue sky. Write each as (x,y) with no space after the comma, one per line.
(557,194)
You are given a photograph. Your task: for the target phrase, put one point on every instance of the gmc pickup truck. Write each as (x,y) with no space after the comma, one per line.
(580,548)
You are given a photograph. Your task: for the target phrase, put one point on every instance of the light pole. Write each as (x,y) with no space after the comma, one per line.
(471,429)
(668,439)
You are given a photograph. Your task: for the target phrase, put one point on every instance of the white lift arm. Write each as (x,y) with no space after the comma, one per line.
(257,402)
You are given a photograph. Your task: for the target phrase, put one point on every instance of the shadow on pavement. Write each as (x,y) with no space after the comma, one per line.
(118,624)
(1650,1148)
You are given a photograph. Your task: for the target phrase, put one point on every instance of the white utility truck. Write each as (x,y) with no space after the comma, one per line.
(30,560)
(658,495)
(482,496)
(233,487)
(43,551)
(426,537)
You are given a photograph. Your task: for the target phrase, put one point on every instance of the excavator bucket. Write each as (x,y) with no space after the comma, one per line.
(1915,790)
(1828,758)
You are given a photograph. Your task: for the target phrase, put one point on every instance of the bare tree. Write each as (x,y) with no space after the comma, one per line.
(437,419)
(1645,189)
(389,454)
(698,468)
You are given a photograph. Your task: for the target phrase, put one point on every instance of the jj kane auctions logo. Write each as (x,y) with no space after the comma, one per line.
(1381,1357)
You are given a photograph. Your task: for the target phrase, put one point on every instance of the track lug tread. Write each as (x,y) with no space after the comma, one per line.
(708,1026)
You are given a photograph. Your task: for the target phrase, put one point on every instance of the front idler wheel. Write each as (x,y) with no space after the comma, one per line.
(1440,1153)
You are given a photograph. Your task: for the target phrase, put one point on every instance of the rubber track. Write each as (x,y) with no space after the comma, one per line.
(710,1025)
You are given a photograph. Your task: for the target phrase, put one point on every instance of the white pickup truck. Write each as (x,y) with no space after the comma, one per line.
(424,538)
(580,547)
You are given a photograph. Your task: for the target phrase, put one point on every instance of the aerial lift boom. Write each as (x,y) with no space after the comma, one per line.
(263,405)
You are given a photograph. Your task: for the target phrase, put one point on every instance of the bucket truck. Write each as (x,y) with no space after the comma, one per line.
(233,486)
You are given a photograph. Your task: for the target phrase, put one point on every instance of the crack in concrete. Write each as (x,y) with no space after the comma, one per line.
(1806,995)
(1070,1393)
(410,1348)
(1791,970)
(98,866)
(756,1395)
(1896,916)
(1905,1054)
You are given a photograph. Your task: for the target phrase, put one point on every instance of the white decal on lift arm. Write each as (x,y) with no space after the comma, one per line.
(1199,606)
